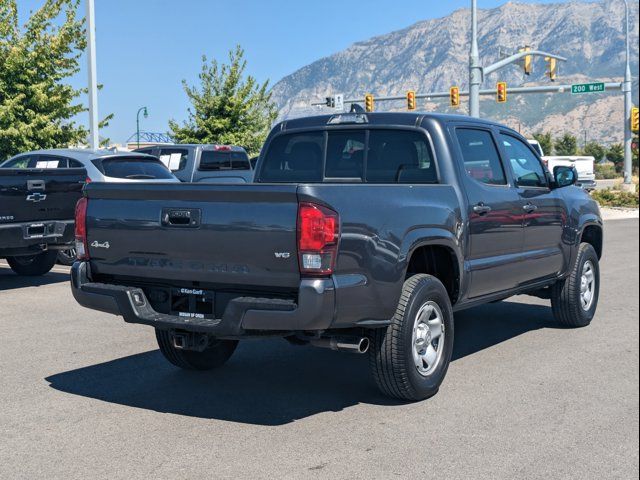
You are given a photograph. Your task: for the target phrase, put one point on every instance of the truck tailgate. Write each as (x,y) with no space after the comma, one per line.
(223,235)
(28,195)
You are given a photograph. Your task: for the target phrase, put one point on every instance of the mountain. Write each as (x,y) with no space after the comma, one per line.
(432,55)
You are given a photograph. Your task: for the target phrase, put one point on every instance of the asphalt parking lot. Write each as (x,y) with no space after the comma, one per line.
(84,395)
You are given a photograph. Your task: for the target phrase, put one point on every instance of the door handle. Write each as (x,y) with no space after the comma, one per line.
(481,209)
(530,207)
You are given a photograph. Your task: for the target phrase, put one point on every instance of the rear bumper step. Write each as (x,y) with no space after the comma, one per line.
(30,237)
(314,310)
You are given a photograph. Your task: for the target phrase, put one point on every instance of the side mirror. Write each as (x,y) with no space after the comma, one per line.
(565,176)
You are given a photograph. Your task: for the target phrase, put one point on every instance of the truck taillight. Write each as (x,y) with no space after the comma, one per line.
(318,231)
(81,229)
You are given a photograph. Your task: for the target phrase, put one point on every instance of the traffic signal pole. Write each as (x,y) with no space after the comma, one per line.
(475,69)
(94,139)
(628,104)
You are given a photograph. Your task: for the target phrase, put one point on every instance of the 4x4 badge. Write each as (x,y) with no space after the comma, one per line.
(36,197)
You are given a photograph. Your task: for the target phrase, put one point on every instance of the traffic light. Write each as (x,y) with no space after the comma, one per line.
(368,102)
(552,72)
(501,92)
(411,100)
(330,102)
(635,119)
(454,96)
(526,61)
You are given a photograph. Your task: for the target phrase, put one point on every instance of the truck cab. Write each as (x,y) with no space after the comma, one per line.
(204,163)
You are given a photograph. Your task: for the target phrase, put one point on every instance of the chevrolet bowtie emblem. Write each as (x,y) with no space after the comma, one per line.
(36,197)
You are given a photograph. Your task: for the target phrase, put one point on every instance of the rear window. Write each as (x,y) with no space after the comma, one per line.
(374,156)
(221,160)
(133,168)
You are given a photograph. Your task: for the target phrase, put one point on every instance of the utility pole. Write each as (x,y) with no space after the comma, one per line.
(146,114)
(626,89)
(94,135)
(475,70)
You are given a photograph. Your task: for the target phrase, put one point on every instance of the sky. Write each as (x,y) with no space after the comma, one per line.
(145,48)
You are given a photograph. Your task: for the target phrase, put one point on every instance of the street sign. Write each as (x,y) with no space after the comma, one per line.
(339,99)
(587,88)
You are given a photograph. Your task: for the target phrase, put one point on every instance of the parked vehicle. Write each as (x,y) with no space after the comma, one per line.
(37,216)
(199,163)
(585,165)
(361,232)
(100,165)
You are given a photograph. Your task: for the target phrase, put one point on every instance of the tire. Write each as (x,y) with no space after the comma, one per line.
(567,301)
(67,257)
(392,358)
(33,265)
(218,352)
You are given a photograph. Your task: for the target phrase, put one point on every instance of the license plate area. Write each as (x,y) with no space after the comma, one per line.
(192,303)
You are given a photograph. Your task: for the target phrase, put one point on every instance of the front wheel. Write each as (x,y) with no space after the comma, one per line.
(574,300)
(215,355)
(33,265)
(409,359)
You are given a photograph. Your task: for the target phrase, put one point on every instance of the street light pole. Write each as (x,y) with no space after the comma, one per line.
(94,139)
(628,104)
(475,70)
(146,114)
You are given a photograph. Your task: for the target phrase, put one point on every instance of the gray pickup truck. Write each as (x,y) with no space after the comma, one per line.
(361,232)
(204,163)
(37,215)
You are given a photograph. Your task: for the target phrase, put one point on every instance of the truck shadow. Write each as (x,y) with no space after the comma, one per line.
(273,383)
(10,281)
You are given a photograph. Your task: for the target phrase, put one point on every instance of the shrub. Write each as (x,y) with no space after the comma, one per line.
(606,172)
(613,198)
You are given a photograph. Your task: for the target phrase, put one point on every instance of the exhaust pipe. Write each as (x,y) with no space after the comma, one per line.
(343,344)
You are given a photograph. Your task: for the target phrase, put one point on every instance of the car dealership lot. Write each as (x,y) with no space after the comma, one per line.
(86,396)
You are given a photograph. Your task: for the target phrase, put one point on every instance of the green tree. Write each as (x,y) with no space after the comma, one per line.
(545,141)
(227,107)
(595,150)
(37,107)
(566,145)
(615,154)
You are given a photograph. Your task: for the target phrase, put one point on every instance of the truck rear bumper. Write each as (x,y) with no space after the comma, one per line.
(313,311)
(27,238)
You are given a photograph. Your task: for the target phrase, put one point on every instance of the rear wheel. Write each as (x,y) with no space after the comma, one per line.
(409,359)
(574,300)
(67,257)
(33,265)
(215,355)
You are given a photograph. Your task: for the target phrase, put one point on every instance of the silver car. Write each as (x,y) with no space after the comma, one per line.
(101,166)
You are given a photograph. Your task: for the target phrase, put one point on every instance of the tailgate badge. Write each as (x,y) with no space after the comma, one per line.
(36,197)
(282,254)
(97,244)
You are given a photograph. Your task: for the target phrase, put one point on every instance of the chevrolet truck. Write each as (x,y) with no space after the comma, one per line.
(37,215)
(361,232)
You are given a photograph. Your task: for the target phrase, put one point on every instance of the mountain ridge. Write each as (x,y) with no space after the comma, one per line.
(432,55)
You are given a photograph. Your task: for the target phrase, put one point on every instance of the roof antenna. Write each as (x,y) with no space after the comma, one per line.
(355,108)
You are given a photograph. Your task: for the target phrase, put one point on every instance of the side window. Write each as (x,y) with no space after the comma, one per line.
(175,159)
(20,162)
(527,169)
(399,156)
(345,154)
(75,164)
(46,161)
(480,156)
